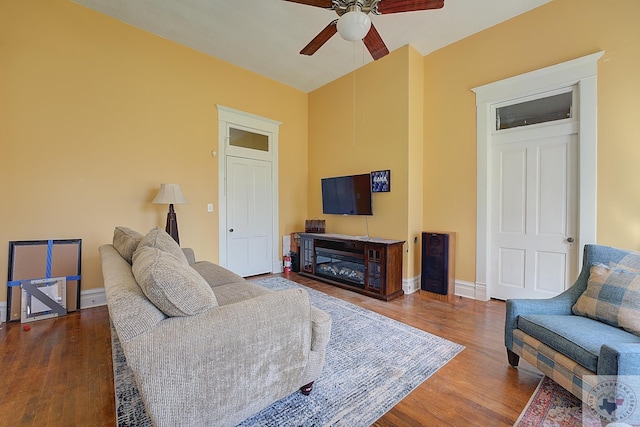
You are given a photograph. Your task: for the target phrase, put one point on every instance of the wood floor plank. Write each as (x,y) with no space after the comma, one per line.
(60,372)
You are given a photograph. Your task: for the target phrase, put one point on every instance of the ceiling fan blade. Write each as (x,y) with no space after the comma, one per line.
(397,6)
(321,38)
(374,43)
(326,4)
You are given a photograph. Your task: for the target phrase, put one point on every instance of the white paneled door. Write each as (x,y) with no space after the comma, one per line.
(249,216)
(534,212)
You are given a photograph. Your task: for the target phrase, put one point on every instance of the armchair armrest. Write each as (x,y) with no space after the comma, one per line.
(619,359)
(560,304)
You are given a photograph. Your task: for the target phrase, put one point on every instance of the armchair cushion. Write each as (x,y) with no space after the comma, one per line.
(613,297)
(572,349)
(175,288)
(579,338)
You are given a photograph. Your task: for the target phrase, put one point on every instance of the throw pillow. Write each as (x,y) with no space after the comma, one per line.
(160,239)
(613,297)
(172,286)
(630,262)
(125,241)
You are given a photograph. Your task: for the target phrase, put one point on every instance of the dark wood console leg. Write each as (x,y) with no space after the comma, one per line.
(306,389)
(514,359)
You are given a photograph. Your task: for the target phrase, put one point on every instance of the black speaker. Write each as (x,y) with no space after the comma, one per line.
(295,262)
(435,263)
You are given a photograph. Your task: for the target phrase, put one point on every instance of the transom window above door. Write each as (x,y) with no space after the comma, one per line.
(246,139)
(535,111)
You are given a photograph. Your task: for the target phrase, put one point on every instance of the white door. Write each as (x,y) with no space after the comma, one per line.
(534,212)
(249,216)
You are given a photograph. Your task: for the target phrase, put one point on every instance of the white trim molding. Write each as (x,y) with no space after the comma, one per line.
(88,299)
(228,118)
(411,284)
(471,290)
(92,298)
(465,289)
(581,73)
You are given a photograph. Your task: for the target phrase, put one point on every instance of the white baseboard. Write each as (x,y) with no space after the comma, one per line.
(89,298)
(462,288)
(92,298)
(96,297)
(411,285)
(465,289)
(471,290)
(481,292)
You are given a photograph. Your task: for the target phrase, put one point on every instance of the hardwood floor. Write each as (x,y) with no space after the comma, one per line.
(60,372)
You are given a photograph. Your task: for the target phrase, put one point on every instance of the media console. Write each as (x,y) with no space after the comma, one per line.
(367,265)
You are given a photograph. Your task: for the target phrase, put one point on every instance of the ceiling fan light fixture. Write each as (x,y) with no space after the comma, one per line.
(354,25)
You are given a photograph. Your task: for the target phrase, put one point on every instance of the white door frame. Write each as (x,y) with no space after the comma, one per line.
(581,72)
(230,118)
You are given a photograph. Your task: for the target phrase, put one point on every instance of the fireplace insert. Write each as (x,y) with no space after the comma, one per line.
(338,266)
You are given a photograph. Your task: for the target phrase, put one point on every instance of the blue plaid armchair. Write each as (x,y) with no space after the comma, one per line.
(593,328)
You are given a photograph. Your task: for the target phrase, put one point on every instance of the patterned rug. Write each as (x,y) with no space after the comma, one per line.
(372,363)
(553,406)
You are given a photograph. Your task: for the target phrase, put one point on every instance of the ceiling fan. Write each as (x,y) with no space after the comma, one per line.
(355,24)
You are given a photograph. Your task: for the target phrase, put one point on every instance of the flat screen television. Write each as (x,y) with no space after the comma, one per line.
(347,195)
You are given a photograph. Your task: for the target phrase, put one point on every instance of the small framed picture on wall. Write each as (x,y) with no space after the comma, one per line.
(381,181)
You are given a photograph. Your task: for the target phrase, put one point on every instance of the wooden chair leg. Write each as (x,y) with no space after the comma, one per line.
(514,359)
(306,389)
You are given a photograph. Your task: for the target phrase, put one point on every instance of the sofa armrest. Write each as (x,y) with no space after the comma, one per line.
(619,359)
(320,329)
(221,366)
(190,254)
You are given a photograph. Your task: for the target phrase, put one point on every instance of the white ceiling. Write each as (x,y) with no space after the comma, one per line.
(265,36)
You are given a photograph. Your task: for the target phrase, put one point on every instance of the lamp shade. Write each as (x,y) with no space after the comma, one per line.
(354,25)
(170,194)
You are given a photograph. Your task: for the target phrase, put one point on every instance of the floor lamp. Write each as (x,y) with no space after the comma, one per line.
(171,194)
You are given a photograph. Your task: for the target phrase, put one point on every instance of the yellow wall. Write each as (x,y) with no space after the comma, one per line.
(379,116)
(556,32)
(415,154)
(95,114)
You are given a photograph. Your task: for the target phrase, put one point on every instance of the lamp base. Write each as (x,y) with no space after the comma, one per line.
(172,225)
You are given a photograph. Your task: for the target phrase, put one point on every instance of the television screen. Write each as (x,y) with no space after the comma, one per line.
(347,195)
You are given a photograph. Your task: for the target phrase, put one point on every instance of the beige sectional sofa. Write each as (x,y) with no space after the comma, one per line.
(206,346)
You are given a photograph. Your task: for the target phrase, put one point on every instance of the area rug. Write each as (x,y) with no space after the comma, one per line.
(372,363)
(552,405)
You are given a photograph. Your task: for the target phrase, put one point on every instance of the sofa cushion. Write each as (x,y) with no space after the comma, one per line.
(172,286)
(579,338)
(231,293)
(613,297)
(126,241)
(160,239)
(214,274)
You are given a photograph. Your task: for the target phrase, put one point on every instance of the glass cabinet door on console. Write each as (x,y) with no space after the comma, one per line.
(306,254)
(375,269)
